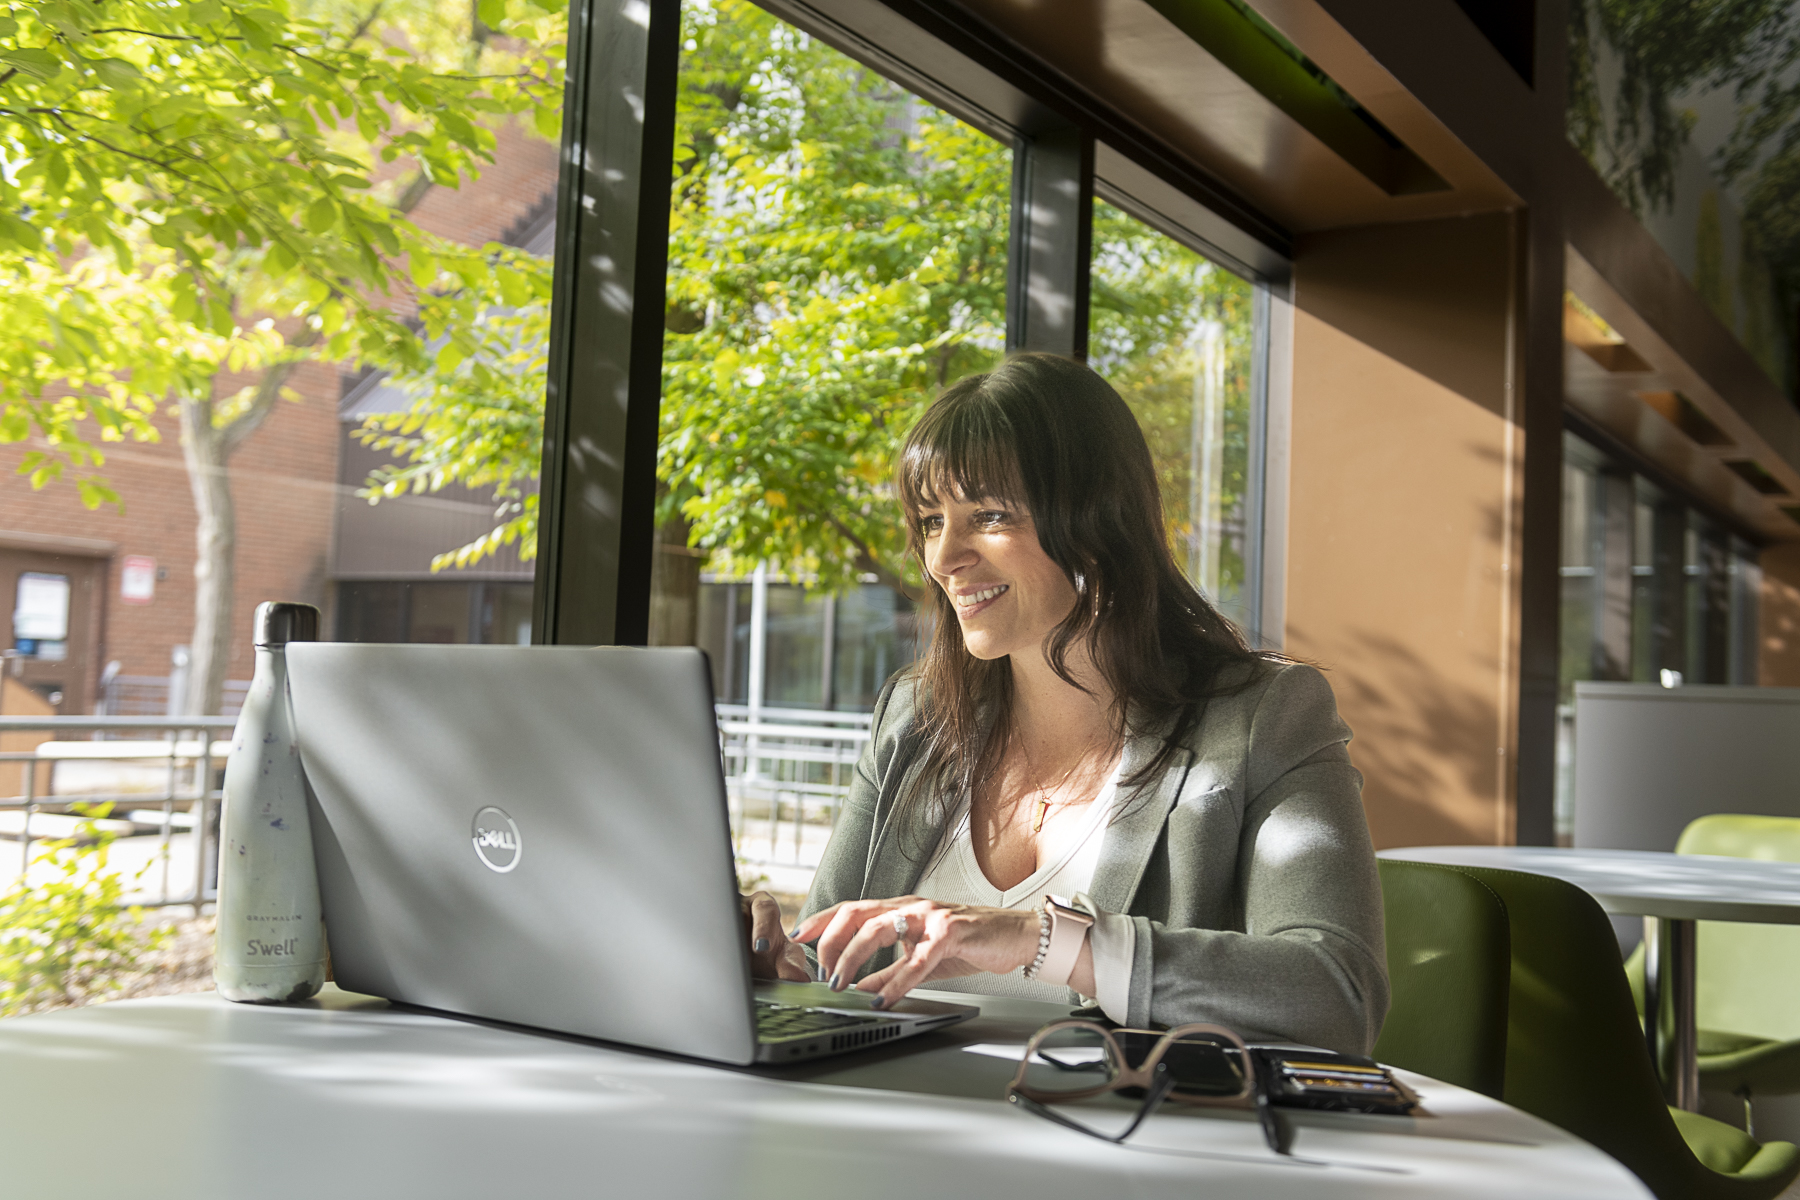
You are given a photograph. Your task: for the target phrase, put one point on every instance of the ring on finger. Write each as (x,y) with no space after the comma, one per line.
(900,925)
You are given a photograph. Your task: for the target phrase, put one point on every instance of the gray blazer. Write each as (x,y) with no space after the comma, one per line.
(1246,865)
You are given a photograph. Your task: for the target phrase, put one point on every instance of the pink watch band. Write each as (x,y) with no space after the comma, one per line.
(1068,930)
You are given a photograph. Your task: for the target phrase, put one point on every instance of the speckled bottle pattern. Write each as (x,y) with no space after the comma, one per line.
(270,944)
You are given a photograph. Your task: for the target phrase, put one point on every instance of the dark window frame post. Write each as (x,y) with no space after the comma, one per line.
(596,526)
(1047,273)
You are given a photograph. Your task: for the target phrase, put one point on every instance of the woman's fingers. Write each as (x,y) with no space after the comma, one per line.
(892,983)
(877,931)
(849,918)
(809,928)
(767,941)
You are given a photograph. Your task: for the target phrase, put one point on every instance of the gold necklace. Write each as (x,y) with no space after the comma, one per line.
(1043,800)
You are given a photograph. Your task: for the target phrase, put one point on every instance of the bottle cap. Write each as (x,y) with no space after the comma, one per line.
(279,622)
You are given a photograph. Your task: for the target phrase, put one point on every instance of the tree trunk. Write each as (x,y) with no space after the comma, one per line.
(206,451)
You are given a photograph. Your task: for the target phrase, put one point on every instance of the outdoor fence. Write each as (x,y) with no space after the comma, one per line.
(148,696)
(787,771)
(161,776)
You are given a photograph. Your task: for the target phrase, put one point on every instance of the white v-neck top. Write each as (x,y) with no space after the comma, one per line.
(953,876)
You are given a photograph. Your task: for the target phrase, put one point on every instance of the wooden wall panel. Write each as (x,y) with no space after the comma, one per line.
(1402,526)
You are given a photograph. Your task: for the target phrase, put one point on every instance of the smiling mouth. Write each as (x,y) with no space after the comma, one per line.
(982,597)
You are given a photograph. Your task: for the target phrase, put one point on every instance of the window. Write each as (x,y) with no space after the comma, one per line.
(1175,333)
(837,255)
(40,619)
(1652,591)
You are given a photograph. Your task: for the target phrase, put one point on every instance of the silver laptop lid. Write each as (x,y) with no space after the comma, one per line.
(531,834)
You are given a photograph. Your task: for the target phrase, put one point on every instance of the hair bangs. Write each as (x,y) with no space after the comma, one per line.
(964,449)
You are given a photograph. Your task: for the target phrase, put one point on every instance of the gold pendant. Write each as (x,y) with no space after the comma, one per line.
(1038,825)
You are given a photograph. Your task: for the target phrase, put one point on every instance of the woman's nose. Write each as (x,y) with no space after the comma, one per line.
(952,551)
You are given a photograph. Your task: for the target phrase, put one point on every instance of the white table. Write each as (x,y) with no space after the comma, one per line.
(1671,892)
(196,1098)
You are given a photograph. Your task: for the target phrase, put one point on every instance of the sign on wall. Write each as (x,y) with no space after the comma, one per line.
(137,579)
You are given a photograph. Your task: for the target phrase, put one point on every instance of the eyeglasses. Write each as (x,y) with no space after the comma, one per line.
(1067,1062)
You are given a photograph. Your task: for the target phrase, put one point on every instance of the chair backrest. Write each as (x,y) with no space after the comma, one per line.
(1575,1054)
(1747,975)
(1449,961)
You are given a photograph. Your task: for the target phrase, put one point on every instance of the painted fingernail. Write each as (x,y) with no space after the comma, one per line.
(834,982)
(762,945)
(794,932)
(879,1001)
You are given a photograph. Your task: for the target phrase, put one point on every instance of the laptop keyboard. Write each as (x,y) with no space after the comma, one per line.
(779,1022)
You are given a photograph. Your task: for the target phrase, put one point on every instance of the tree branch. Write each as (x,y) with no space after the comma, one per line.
(362,26)
(268,390)
(865,558)
(167,37)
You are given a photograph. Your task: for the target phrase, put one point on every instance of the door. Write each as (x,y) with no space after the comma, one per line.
(51,605)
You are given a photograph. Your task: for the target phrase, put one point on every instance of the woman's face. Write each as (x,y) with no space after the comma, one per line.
(985,554)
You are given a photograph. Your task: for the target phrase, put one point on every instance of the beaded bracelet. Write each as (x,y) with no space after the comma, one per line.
(1037,964)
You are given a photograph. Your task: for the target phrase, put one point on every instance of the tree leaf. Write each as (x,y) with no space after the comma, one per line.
(29,60)
(253,31)
(117,73)
(19,233)
(322,215)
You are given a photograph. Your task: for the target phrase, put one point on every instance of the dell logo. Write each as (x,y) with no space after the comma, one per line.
(496,839)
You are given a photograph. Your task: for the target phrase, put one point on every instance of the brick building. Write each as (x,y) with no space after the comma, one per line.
(98,606)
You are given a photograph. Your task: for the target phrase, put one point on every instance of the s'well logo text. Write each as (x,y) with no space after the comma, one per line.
(496,839)
(286,948)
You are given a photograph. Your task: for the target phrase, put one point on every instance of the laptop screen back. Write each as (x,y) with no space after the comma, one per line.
(528,834)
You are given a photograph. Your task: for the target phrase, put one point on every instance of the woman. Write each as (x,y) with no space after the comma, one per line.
(1085,724)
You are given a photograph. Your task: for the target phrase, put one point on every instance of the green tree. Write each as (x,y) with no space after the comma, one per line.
(1155,303)
(837,253)
(194,189)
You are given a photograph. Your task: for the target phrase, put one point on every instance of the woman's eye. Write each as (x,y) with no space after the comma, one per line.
(989,519)
(930,525)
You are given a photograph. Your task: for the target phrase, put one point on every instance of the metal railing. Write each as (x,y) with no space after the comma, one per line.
(787,771)
(148,696)
(189,797)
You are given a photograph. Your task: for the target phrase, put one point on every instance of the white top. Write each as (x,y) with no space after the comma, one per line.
(1652,883)
(953,876)
(343,1095)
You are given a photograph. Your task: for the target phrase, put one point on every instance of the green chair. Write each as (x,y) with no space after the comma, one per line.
(1575,1054)
(1449,960)
(1747,977)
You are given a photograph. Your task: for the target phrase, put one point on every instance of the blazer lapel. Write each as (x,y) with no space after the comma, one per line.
(898,853)
(1132,837)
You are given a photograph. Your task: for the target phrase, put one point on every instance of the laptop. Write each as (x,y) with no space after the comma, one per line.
(538,835)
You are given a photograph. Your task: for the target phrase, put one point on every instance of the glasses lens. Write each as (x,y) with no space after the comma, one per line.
(1075,1059)
(1202,1066)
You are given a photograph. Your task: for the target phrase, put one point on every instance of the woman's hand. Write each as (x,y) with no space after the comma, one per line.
(772,955)
(941,941)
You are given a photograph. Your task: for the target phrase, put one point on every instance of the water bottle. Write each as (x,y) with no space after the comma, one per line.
(270,944)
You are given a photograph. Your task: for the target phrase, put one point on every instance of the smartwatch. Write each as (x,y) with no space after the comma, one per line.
(1068,930)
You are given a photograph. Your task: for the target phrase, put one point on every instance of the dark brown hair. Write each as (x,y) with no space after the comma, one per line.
(1050,435)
